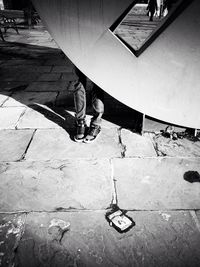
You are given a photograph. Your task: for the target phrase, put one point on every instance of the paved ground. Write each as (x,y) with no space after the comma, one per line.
(54,193)
(136,27)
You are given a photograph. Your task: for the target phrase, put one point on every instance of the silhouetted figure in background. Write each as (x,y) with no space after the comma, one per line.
(168,5)
(152,8)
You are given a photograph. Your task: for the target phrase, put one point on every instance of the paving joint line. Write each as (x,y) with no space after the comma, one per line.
(4,101)
(123,147)
(114,200)
(101,210)
(21,115)
(155,146)
(79,158)
(195,218)
(26,150)
(56,99)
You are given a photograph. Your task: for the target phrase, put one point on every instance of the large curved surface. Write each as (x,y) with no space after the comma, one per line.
(163,82)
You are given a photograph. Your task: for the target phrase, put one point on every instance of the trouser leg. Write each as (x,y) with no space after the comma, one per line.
(80,96)
(151,15)
(97,104)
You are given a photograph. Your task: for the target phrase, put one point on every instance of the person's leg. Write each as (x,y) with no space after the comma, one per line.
(98,110)
(79,101)
(98,105)
(80,106)
(151,16)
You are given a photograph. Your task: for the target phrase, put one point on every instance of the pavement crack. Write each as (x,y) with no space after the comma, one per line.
(114,200)
(25,152)
(4,101)
(21,115)
(56,99)
(195,218)
(159,153)
(123,147)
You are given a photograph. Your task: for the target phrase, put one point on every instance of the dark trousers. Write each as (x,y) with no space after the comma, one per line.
(80,99)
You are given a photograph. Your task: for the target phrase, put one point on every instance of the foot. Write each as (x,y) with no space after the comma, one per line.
(92,134)
(80,131)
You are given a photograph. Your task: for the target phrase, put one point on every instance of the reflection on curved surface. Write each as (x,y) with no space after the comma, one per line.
(163,82)
(143,23)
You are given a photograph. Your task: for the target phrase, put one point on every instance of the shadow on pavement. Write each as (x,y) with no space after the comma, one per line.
(192,177)
(17,61)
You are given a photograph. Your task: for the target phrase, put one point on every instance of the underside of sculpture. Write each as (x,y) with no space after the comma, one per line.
(161,79)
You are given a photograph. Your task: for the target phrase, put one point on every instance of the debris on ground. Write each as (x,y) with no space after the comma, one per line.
(118,219)
(189,134)
(58,228)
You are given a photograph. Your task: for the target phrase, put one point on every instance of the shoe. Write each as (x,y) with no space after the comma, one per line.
(80,131)
(92,134)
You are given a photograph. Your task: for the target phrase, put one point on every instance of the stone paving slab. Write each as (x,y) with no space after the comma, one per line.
(137,145)
(162,183)
(59,61)
(52,186)
(37,36)
(51,77)
(176,148)
(8,75)
(57,144)
(10,116)
(26,69)
(86,239)
(11,230)
(60,69)
(47,86)
(22,98)
(42,117)
(23,62)
(11,86)
(68,76)
(13,144)
(27,77)
(4,96)
(14,76)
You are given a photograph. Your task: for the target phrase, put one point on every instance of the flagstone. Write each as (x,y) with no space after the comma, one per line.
(13,144)
(136,145)
(55,185)
(10,116)
(86,239)
(47,86)
(49,77)
(59,144)
(157,183)
(185,147)
(40,117)
(23,98)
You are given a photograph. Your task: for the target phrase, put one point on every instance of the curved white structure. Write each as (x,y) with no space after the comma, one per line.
(163,82)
